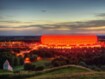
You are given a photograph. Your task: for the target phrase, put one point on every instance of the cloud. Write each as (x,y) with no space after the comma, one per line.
(16,23)
(101,15)
(43,10)
(92,26)
(4,27)
(5,17)
(10,21)
(66,25)
(1,17)
(76,25)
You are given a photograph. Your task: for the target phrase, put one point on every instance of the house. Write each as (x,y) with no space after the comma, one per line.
(7,66)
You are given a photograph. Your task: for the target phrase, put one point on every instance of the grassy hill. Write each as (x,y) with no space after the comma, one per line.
(70,72)
(79,75)
(63,72)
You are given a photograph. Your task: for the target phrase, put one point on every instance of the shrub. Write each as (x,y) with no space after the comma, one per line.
(29,66)
(48,64)
(39,68)
(103,67)
(55,63)
(60,61)
(94,67)
(83,64)
(33,67)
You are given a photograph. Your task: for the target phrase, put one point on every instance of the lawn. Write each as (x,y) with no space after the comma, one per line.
(77,75)
(64,72)
(42,63)
(5,72)
(60,72)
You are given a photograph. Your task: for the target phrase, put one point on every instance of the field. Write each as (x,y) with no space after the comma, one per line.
(79,75)
(71,72)
(63,72)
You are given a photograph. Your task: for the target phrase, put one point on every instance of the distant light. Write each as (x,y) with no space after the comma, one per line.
(68,39)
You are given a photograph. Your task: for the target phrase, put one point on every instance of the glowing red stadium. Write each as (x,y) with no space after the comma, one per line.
(69,39)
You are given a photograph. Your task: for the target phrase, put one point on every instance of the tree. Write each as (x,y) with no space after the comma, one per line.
(6,56)
(16,61)
(21,60)
(33,57)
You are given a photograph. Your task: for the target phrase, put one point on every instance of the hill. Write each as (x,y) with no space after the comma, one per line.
(63,72)
(70,72)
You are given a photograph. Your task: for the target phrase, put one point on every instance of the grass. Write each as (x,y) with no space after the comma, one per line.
(38,63)
(64,72)
(42,63)
(18,68)
(61,72)
(46,72)
(79,75)
(71,75)
(5,72)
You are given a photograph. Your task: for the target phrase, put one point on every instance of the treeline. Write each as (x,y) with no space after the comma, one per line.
(12,58)
(91,56)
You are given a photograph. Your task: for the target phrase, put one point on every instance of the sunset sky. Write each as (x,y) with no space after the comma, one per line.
(37,17)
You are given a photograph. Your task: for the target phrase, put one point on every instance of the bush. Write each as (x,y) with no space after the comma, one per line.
(29,66)
(60,61)
(55,63)
(94,67)
(48,64)
(83,64)
(103,67)
(32,67)
(39,68)
(33,57)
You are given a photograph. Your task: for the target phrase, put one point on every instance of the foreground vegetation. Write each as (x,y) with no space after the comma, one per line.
(62,72)
(77,75)
(89,66)
(51,71)
(54,71)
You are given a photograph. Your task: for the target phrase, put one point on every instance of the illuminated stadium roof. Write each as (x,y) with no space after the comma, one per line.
(68,39)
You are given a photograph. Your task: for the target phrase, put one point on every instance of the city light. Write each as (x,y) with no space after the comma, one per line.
(68,39)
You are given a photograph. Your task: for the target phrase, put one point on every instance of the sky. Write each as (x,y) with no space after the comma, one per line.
(38,17)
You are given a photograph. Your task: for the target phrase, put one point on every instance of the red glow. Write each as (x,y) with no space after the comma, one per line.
(27,60)
(68,39)
(39,58)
